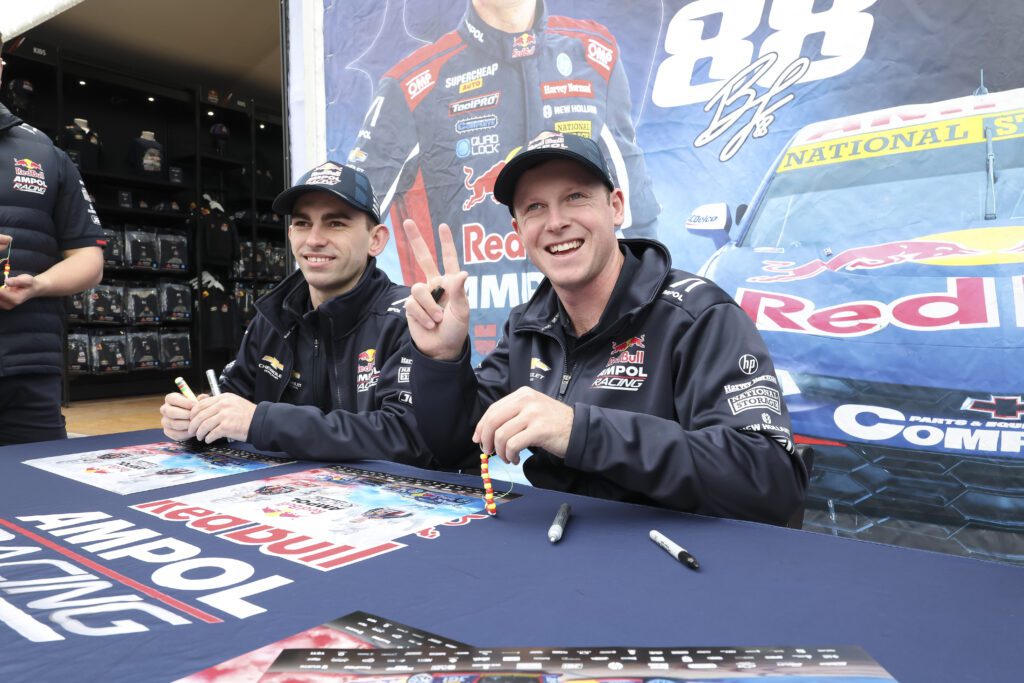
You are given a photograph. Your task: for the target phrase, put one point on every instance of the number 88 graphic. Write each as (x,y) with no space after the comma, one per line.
(845,26)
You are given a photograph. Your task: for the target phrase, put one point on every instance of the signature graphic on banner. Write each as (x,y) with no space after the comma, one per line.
(739,91)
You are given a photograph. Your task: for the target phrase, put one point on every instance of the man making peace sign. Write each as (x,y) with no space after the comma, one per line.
(628,379)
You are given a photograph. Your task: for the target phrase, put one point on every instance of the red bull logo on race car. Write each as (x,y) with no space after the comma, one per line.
(979,246)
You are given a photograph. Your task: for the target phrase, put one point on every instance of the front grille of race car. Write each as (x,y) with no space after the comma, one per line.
(963,505)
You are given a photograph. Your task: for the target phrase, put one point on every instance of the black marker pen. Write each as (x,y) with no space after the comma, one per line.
(675,550)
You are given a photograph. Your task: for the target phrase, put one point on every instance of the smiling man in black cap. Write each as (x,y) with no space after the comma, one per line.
(628,379)
(321,372)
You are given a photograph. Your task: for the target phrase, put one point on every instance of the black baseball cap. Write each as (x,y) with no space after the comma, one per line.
(343,181)
(545,147)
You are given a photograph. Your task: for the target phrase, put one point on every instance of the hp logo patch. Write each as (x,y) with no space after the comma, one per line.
(748,364)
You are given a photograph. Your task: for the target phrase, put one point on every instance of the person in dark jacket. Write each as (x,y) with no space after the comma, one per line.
(51,245)
(323,369)
(628,379)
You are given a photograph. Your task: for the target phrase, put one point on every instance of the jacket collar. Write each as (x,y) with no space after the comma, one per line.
(286,305)
(501,45)
(7,119)
(639,283)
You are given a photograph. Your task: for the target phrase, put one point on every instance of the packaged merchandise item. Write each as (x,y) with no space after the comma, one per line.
(108,352)
(142,304)
(245,300)
(104,303)
(243,266)
(175,301)
(140,247)
(76,307)
(261,259)
(172,250)
(143,350)
(277,262)
(175,350)
(78,353)
(113,251)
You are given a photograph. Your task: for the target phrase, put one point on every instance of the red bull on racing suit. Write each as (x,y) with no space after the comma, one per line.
(445,118)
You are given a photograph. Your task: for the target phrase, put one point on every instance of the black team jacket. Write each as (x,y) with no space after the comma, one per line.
(676,402)
(331,384)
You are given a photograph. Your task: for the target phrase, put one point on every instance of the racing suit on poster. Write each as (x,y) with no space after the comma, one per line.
(445,118)
(675,399)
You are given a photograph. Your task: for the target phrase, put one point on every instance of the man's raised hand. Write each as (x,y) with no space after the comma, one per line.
(438,328)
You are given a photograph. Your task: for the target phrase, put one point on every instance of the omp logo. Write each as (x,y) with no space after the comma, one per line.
(418,83)
(600,53)
(748,364)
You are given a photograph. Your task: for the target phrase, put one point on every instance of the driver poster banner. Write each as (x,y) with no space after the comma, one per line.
(851,171)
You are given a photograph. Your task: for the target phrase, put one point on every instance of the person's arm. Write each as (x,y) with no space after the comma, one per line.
(387,432)
(386,142)
(80,239)
(457,398)
(80,269)
(729,461)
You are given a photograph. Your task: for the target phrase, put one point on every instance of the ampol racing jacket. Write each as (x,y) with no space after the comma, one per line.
(675,398)
(445,118)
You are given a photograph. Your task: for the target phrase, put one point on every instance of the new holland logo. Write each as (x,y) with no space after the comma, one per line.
(625,368)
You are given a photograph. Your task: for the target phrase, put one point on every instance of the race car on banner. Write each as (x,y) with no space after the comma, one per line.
(882,258)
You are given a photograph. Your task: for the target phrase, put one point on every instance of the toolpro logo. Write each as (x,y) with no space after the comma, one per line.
(474,104)
(980,246)
(480,186)
(625,368)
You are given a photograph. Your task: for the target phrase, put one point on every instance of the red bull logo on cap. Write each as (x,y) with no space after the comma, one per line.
(481,186)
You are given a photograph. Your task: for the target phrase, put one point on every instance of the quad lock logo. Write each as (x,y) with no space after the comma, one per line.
(625,368)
